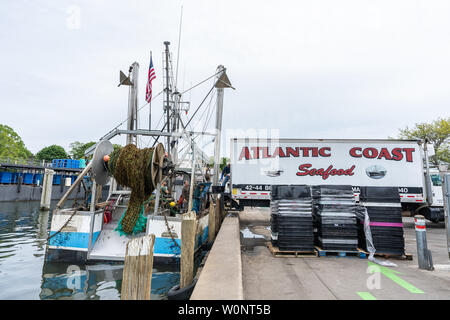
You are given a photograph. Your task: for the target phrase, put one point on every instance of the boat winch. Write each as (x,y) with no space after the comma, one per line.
(139,169)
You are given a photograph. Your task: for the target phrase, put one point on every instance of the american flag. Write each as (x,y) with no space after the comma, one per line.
(151,76)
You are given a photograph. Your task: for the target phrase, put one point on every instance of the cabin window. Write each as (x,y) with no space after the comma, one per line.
(436,180)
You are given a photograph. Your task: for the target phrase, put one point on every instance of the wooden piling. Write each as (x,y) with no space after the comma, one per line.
(218,215)
(211,220)
(188,230)
(98,193)
(137,271)
(47,185)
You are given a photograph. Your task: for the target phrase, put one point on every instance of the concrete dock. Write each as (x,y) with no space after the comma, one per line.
(264,276)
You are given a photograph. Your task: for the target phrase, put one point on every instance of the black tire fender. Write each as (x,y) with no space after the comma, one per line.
(175,293)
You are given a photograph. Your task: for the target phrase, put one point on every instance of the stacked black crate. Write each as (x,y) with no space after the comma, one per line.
(292,217)
(385,218)
(274,223)
(335,218)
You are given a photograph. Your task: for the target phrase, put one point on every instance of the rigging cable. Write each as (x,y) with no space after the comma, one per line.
(201,82)
(192,117)
(131,116)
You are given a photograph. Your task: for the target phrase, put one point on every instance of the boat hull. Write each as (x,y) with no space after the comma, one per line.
(72,242)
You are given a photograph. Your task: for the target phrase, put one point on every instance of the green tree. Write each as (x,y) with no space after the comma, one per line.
(437,133)
(52,152)
(223,162)
(11,144)
(78,148)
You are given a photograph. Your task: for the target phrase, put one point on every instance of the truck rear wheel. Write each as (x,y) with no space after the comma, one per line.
(432,214)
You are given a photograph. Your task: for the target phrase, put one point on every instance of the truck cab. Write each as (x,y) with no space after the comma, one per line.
(435,211)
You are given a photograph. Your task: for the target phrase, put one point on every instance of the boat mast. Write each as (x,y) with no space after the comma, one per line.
(167,89)
(219,111)
(176,123)
(132,120)
(221,83)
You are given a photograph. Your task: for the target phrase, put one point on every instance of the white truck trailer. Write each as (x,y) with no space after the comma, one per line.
(257,164)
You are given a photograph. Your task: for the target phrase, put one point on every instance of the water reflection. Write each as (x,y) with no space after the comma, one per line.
(24,274)
(98,281)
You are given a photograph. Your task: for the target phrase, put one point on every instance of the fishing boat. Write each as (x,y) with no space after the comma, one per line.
(376,172)
(93,232)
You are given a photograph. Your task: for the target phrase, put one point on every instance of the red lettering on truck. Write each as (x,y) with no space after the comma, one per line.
(324,173)
(373,153)
(279,153)
(322,152)
(408,152)
(245,153)
(396,154)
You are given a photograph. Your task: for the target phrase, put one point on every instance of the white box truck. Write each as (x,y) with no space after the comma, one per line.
(257,164)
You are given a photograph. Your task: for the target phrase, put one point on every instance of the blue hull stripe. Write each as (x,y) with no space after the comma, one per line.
(81,239)
(166,245)
(72,239)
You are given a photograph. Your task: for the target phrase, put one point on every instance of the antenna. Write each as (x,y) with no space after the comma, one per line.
(179,43)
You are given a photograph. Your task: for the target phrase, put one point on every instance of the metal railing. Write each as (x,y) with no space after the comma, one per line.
(29,162)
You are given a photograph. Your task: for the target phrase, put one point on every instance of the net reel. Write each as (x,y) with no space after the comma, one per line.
(159,164)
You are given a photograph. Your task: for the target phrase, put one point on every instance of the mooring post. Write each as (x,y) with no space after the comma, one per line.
(92,211)
(188,228)
(19,183)
(191,186)
(47,185)
(211,220)
(218,214)
(423,254)
(98,193)
(137,270)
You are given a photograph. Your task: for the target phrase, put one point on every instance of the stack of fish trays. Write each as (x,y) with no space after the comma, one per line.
(335,218)
(274,222)
(385,215)
(292,225)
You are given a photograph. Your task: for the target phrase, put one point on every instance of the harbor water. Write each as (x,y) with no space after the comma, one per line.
(24,274)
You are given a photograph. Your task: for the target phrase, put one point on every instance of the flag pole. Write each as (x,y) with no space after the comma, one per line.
(150,105)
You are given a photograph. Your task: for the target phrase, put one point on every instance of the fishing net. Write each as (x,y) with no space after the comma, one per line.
(130,167)
(139,227)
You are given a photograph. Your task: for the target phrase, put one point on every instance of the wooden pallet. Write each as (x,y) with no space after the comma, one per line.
(276,252)
(406,256)
(341,253)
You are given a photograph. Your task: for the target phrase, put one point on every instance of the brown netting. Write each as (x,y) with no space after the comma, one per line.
(130,167)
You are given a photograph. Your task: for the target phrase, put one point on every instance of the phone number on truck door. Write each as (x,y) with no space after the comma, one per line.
(256,187)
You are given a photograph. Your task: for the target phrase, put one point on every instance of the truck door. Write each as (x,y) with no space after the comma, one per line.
(436,181)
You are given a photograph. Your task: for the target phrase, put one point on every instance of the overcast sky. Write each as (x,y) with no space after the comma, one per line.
(312,69)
